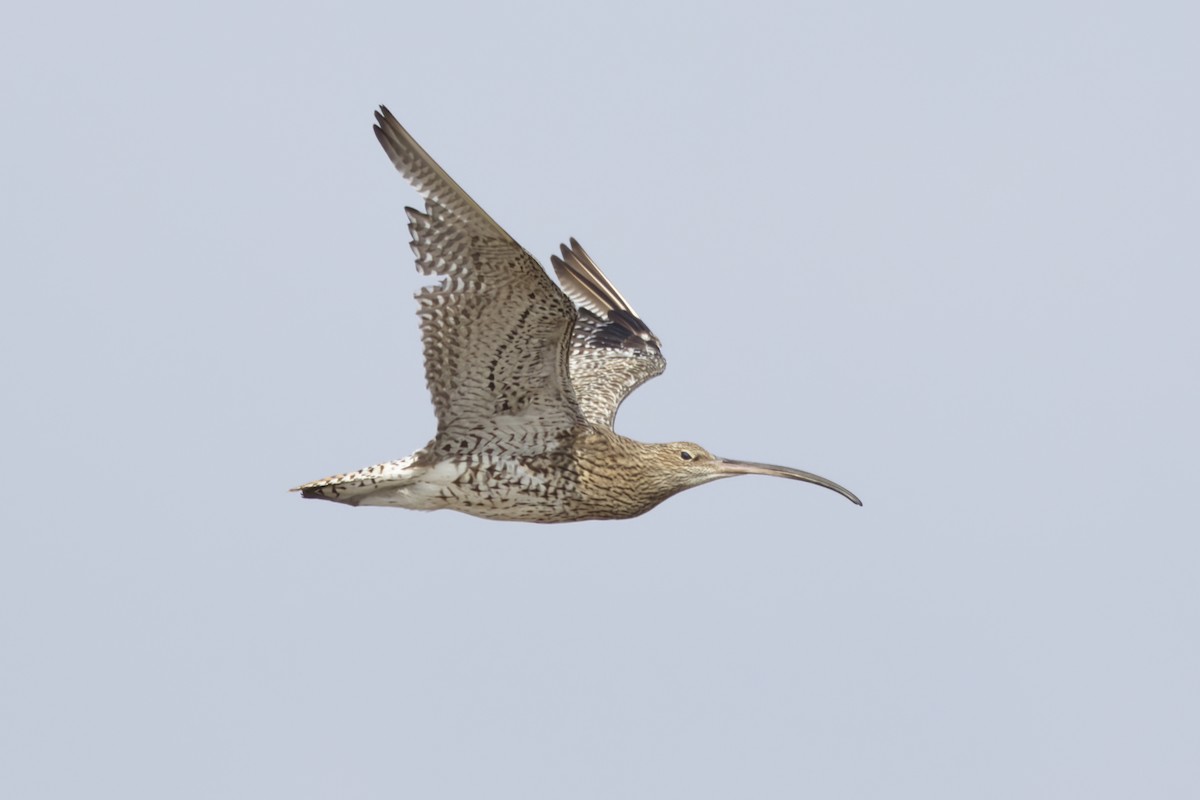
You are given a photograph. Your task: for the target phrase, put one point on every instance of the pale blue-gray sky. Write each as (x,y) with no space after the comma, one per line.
(941,253)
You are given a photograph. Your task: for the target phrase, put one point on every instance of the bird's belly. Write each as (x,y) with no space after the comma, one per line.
(512,489)
(492,488)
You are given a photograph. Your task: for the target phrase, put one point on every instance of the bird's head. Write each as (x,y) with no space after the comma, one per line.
(688,464)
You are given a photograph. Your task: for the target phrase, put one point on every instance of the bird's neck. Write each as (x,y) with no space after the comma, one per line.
(618,477)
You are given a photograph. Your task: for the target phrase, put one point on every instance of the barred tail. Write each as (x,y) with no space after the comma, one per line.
(352,487)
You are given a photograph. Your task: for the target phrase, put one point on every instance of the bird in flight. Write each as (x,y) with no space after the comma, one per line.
(526,378)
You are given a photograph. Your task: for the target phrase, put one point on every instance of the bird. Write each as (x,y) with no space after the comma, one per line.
(525,377)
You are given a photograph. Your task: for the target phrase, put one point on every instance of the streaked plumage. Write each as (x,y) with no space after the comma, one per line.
(525,378)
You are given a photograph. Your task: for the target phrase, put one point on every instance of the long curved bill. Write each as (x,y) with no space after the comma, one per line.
(732,467)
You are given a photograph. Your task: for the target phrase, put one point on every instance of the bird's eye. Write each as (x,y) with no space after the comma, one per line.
(685,455)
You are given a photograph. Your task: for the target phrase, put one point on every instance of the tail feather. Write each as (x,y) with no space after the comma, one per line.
(351,487)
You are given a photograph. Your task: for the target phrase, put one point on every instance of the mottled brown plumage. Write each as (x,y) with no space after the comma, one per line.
(525,379)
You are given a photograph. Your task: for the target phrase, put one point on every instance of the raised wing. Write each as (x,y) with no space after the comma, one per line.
(613,352)
(496,329)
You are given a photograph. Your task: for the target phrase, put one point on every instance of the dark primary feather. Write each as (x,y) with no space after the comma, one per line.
(613,351)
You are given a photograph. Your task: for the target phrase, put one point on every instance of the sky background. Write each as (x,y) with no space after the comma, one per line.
(944,254)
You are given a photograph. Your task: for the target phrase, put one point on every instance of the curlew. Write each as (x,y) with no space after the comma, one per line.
(526,378)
